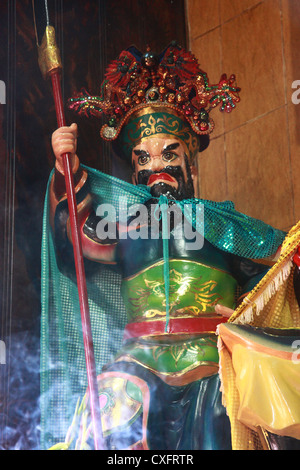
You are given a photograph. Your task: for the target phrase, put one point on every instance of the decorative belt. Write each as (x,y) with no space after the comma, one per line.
(175,326)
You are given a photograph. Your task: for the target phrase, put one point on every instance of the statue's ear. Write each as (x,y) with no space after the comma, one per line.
(194,175)
(194,172)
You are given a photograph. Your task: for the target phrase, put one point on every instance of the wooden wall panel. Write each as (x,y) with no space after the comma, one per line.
(259,42)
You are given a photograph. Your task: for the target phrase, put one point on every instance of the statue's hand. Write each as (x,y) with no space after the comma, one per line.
(64,140)
(224,311)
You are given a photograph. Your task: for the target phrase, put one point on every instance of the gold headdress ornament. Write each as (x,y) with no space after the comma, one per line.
(171,81)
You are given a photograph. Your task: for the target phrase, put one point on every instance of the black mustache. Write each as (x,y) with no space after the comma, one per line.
(175,171)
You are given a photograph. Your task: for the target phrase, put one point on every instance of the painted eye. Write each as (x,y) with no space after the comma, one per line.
(143,159)
(169,156)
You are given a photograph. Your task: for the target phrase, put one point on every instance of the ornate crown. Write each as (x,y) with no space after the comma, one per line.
(171,80)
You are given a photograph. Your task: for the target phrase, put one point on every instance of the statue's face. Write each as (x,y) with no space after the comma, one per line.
(161,164)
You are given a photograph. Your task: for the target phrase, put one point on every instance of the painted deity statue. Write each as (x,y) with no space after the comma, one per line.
(184,264)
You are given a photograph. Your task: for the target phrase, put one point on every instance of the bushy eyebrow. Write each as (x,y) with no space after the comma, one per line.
(170,147)
(140,152)
(166,149)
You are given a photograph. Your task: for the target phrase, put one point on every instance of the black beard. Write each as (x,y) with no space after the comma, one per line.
(185,190)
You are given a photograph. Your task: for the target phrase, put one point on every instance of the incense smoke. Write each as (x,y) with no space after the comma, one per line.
(19,405)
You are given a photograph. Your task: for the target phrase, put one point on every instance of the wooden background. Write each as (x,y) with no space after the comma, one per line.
(253,158)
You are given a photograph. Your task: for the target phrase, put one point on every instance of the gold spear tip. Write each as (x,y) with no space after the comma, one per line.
(48,53)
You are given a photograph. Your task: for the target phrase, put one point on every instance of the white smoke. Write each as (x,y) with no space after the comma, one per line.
(20,391)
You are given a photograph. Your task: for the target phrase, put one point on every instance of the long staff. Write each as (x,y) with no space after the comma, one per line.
(51,67)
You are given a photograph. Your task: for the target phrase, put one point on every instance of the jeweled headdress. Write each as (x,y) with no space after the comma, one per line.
(172,81)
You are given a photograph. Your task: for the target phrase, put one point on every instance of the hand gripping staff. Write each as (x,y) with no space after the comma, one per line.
(50,65)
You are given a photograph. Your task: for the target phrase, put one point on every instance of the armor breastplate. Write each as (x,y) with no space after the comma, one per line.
(195,289)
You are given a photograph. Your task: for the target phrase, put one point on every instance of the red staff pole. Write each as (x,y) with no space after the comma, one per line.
(52,69)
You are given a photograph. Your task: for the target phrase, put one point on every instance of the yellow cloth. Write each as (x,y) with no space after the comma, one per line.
(260,390)
(242,437)
(269,390)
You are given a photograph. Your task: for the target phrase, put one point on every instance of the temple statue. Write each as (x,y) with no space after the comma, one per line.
(182,364)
